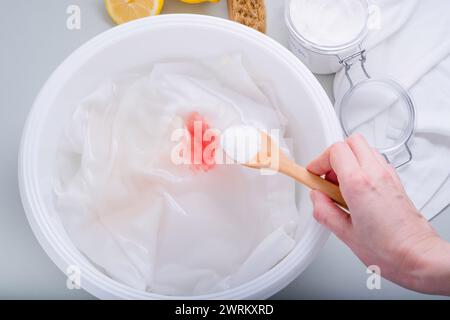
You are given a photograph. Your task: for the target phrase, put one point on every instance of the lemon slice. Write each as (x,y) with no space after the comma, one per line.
(122,11)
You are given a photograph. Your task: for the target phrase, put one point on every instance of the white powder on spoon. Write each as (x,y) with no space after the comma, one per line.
(241,143)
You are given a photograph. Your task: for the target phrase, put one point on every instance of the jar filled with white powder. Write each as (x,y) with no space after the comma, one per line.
(327,35)
(323,32)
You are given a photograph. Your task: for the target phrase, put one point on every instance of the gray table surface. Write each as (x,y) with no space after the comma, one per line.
(34,41)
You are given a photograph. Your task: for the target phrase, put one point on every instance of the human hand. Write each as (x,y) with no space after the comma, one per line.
(383,227)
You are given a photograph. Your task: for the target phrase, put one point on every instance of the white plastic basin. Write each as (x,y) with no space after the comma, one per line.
(137,45)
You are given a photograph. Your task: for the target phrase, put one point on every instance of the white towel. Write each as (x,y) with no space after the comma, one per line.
(412,46)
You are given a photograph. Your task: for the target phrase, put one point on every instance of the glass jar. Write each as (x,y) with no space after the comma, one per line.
(378,108)
(320,58)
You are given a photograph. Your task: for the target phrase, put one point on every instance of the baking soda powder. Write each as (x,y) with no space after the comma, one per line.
(321,30)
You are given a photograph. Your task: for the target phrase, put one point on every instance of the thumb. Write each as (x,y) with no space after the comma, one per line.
(327,213)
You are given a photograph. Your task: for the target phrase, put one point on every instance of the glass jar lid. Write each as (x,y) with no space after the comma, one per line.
(382,111)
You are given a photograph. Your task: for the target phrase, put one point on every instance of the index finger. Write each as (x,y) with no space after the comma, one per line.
(339,158)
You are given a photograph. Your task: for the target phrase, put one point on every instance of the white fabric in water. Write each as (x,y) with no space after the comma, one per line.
(162,227)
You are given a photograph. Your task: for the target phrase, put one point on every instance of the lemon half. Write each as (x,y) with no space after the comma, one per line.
(122,11)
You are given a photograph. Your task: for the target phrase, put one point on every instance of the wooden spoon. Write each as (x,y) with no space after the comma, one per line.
(271,157)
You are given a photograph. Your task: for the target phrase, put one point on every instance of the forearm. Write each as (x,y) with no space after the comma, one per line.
(431,272)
